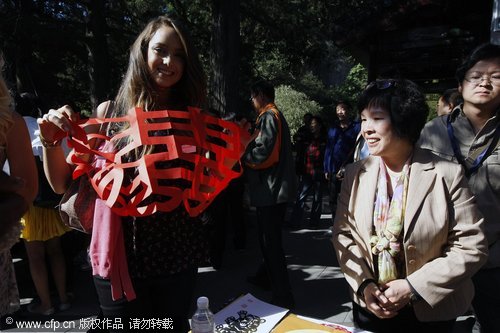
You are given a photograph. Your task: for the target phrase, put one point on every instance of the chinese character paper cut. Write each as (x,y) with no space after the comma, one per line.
(190,164)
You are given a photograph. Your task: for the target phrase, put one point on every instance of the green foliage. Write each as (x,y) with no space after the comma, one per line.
(288,42)
(309,88)
(353,85)
(312,86)
(294,105)
(271,65)
(432,100)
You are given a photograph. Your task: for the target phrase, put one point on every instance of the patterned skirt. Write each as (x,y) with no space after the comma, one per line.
(9,295)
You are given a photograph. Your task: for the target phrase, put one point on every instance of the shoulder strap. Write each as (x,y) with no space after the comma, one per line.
(275,154)
(477,157)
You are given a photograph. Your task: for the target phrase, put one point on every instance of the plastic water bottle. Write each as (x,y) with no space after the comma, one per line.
(203,318)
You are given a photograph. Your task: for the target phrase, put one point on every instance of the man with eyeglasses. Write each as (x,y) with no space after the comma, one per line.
(470,135)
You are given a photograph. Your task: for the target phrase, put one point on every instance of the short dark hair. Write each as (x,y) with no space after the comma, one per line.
(403,100)
(308,116)
(263,87)
(345,104)
(323,128)
(452,96)
(347,107)
(318,119)
(482,52)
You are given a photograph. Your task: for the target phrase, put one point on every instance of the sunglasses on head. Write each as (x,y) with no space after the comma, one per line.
(382,84)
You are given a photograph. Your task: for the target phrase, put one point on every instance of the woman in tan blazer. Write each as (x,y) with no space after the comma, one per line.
(407,233)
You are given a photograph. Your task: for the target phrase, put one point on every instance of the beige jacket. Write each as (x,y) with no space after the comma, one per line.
(444,243)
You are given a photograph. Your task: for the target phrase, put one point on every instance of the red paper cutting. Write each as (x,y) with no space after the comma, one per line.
(192,148)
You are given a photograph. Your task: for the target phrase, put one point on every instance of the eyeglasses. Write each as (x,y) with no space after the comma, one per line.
(381,84)
(477,78)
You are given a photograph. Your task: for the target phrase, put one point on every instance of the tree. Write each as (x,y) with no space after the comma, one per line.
(353,85)
(98,55)
(294,105)
(225,55)
(76,51)
(59,49)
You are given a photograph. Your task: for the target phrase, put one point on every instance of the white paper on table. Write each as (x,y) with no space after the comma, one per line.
(248,314)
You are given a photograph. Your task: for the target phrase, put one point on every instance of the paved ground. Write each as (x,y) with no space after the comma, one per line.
(318,284)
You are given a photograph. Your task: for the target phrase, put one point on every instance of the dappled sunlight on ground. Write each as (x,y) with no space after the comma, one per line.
(317,272)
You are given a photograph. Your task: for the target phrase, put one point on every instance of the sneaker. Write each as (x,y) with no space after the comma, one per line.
(35,309)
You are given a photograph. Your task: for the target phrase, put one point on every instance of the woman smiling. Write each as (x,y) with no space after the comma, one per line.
(407,233)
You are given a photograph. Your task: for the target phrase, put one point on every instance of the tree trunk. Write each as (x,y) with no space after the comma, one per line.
(22,54)
(98,55)
(225,56)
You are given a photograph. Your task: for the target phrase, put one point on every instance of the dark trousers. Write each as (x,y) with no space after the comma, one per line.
(486,301)
(165,297)
(307,187)
(333,192)
(269,222)
(226,209)
(405,321)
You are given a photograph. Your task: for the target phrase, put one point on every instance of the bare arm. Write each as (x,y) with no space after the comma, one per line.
(12,206)
(20,188)
(21,159)
(58,168)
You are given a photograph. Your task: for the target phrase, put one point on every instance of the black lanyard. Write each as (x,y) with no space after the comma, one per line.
(480,158)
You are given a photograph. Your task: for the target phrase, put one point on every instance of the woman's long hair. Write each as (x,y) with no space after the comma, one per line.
(5,107)
(137,88)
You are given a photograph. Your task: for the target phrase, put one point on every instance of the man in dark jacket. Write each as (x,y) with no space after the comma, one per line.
(341,140)
(272,185)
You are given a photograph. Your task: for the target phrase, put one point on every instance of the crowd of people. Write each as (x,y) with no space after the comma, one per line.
(415,204)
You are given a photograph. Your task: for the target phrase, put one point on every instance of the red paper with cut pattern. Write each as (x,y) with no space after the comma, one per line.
(188,166)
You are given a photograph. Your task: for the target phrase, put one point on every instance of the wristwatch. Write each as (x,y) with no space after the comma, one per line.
(362,287)
(414,296)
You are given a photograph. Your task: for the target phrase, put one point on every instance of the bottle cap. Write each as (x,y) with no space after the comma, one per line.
(202,302)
